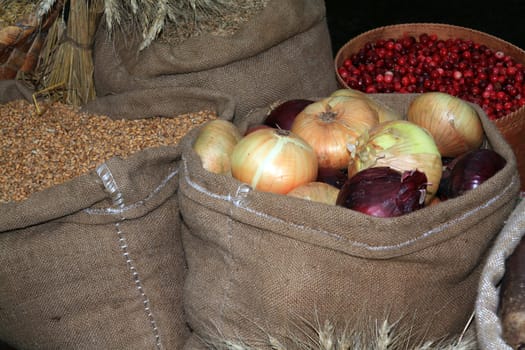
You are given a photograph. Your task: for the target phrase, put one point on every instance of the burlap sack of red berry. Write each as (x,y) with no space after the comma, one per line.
(421,57)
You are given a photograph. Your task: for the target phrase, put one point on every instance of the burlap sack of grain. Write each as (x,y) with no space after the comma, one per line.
(488,321)
(260,265)
(97,262)
(283,52)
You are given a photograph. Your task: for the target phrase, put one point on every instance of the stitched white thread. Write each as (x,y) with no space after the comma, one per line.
(118,199)
(240,203)
(122,208)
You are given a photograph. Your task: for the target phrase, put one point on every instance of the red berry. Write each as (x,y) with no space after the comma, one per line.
(463,68)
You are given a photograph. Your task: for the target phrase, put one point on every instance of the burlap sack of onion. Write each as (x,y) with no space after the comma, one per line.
(353,152)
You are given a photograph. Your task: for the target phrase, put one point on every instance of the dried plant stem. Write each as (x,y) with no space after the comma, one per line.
(71,63)
(326,336)
(158,23)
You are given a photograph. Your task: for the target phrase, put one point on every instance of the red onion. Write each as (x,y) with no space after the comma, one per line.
(331,176)
(283,115)
(384,192)
(468,171)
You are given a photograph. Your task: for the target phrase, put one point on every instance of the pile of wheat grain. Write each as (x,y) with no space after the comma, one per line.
(39,151)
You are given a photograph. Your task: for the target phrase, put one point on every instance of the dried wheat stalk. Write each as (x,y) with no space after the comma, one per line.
(149,18)
(325,335)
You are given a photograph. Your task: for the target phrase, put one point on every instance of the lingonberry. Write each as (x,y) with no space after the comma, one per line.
(422,63)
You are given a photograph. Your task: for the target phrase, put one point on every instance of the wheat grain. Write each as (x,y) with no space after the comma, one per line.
(40,151)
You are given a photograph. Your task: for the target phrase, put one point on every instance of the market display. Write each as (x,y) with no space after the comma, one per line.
(171,178)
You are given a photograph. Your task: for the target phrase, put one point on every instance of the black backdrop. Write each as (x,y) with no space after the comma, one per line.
(504,19)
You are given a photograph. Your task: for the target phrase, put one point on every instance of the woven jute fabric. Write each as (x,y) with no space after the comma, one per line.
(282,52)
(488,322)
(13,90)
(512,126)
(96,262)
(260,263)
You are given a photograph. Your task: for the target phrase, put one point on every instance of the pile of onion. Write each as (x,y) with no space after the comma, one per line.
(349,150)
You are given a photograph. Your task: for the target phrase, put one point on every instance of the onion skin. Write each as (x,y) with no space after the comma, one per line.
(317,192)
(283,115)
(329,124)
(454,124)
(384,192)
(384,113)
(274,160)
(214,145)
(469,171)
(402,146)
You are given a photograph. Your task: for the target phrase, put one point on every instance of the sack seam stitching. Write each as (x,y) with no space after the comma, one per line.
(240,203)
(121,208)
(111,186)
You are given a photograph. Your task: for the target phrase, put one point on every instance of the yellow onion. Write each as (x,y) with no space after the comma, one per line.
(214,145)
(402,146)
(384,112)
(454,124)
(329,124)
(274,160)
(317,192)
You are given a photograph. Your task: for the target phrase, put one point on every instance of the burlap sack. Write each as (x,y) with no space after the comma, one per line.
(13,90)
(96,262)
(259,263)
(488,322)
(284,52)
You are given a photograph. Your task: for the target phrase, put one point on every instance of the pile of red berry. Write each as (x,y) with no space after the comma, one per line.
(462,68)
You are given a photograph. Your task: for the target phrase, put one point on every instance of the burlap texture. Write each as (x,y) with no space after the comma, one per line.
(488,322)
(96,262)
(283,52)
(260,263)
(13,90)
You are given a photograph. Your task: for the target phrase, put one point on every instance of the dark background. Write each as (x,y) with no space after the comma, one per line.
(504,19)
